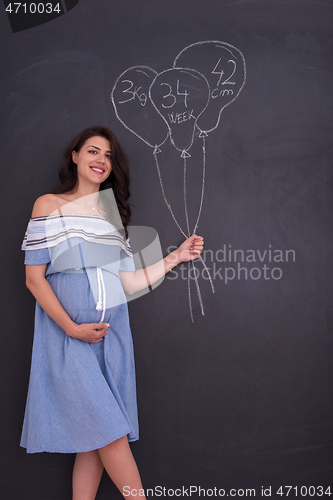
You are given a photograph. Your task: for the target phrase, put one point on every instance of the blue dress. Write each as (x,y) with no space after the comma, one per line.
(81,396)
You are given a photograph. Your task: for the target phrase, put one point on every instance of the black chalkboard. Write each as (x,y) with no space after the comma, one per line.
(233,100)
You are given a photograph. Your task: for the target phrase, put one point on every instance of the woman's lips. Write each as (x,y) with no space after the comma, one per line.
(97,170)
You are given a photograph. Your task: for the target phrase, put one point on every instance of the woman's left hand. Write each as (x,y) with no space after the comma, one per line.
(191,248)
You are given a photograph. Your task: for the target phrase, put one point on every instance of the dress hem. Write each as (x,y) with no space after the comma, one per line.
(130,440)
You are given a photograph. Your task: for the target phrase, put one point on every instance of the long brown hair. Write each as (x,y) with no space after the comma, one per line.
(118,179)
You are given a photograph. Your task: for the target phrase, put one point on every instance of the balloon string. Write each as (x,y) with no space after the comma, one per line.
(164,197)
(201,203)
(185,201)
(183,233)
(188,230)
(208,273)
(198,289)
(189,290)
(203,182)
(189,266)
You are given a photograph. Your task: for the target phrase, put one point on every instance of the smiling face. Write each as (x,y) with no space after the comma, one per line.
(93,161)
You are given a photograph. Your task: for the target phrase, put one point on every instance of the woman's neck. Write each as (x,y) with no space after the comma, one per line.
(81,191)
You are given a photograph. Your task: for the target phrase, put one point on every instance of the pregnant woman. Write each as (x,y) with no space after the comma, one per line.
(79,264)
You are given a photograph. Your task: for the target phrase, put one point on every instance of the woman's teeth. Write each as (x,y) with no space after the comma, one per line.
(98,170)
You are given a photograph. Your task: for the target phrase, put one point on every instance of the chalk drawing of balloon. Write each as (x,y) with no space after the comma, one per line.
(133,107)
(180,96)
(224,68)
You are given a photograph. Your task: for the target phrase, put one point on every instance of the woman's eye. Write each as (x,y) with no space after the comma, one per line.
(92,151)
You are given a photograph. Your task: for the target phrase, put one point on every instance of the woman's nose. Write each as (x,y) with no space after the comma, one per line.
(101,158)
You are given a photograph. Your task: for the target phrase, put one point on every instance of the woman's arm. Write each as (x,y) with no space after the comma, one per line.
(134,281)
(43,293)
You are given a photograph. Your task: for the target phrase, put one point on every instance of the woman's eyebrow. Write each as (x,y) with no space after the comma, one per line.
(99,149)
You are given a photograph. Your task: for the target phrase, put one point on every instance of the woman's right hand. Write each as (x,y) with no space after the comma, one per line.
(89,332)
(43,293)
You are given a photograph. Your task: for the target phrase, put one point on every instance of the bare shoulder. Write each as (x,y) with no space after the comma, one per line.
(46,205)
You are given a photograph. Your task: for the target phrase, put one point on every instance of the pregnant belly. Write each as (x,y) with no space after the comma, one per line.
(74,294)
